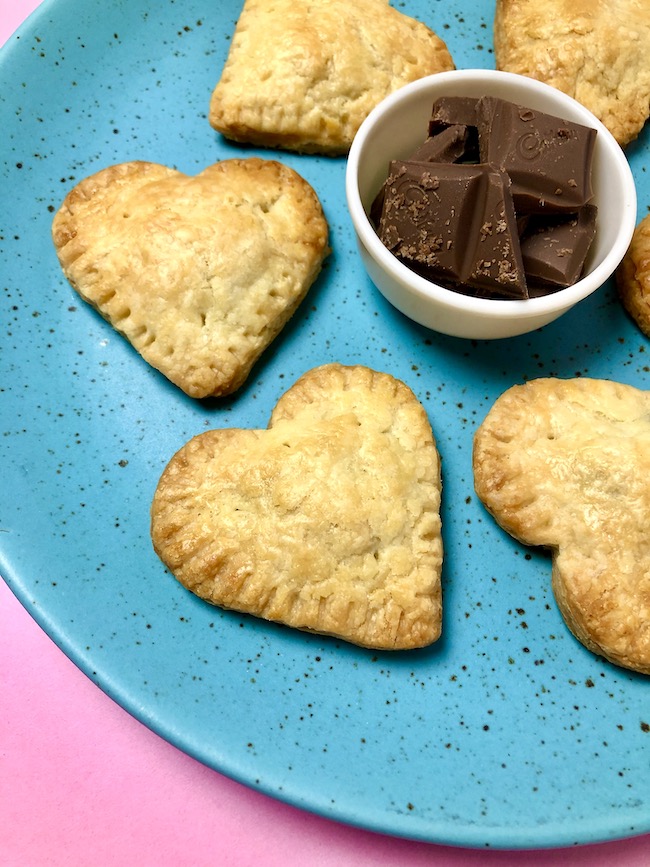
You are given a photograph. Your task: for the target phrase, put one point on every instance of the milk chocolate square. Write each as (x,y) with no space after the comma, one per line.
(548,159)
(454,224)
(554,250)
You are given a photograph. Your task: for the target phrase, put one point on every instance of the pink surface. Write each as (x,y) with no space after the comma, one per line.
(83,783)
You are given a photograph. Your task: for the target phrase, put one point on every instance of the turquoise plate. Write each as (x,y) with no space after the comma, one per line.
(507,733)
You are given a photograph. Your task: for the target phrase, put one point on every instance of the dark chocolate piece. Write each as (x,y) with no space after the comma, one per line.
(554,252)
(548,159)
(454,223)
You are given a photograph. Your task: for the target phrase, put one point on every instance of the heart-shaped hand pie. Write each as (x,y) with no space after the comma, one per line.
(566,464)
(596,52)
(199,273)
(329,520)
(303,74)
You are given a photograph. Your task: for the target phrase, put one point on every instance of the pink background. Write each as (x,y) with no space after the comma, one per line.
(83,783)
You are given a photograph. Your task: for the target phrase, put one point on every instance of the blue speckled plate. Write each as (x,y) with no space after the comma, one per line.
(508,733)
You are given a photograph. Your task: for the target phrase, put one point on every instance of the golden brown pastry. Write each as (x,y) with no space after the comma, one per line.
(633,277)
(594,50)
(326,521)
(303,74)
(566,464)
(199,273)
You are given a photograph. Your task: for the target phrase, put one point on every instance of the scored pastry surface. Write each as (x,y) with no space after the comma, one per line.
(328,521)
(199,273)
(594,50)
(565,464)
(303,74)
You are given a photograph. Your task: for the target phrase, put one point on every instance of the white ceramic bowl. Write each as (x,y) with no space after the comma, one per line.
(399,124)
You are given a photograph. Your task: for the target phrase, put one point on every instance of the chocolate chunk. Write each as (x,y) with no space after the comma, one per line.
(451,110)
(554,251)
(447,146)
(425,209)
(377,206)
(444,147)
(454,224)
(497,266)
(548,159)
(495,202)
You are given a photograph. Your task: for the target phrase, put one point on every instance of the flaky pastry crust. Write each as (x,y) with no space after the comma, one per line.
(633,277)
(303,74)
(566,464)
(328,521)
(594,50)
(199,273)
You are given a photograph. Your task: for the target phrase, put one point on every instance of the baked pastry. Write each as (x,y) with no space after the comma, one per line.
(594,50)
(303,74)
(199,273)
(326,521)
(633,277)
(566,464)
